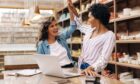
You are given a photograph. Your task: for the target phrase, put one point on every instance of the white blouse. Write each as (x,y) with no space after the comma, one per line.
(58,50)
(96,51)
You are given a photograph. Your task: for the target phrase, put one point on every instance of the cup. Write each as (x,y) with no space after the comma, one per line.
(126,11)
(121,60)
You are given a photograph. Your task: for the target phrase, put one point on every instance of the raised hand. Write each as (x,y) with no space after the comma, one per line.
(72,8)
(69,2)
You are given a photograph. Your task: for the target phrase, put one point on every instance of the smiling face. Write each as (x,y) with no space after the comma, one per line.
(53,29)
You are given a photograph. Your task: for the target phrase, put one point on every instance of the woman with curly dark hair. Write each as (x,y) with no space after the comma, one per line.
(52,43)
(98,41)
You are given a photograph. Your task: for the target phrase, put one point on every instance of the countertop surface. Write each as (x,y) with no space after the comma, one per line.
(44,79)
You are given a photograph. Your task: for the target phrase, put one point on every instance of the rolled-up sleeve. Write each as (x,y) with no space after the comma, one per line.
(68,32)
(105,55)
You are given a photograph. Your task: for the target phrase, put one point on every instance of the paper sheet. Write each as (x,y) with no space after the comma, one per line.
(26,72)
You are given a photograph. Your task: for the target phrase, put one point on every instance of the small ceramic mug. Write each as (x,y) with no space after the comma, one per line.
(126,11)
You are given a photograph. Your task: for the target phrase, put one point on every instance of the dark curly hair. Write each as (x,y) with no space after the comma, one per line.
(100,12)
(43,34)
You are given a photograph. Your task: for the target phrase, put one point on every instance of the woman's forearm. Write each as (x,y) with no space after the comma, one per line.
(73,9)
(71,14)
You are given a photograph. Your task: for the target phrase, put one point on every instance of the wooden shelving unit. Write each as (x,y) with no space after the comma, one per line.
(81,12)
(127,25)
(115,5)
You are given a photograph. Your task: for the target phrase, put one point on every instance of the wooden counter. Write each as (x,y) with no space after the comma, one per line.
(15,62)
(43,79)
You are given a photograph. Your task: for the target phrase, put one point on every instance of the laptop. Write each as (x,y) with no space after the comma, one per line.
(49,65)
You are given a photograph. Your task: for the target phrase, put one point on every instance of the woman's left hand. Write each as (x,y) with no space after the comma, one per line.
(89,72)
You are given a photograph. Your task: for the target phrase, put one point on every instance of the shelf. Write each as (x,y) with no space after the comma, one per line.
(112,62)
(76,1)
(1,62)
(128,41)
(17,47)
(125,18)
(75,43)
(66,19)
(75,58)
(86,11)
(1,76)
(82,12)
(108,2)
(125,64)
